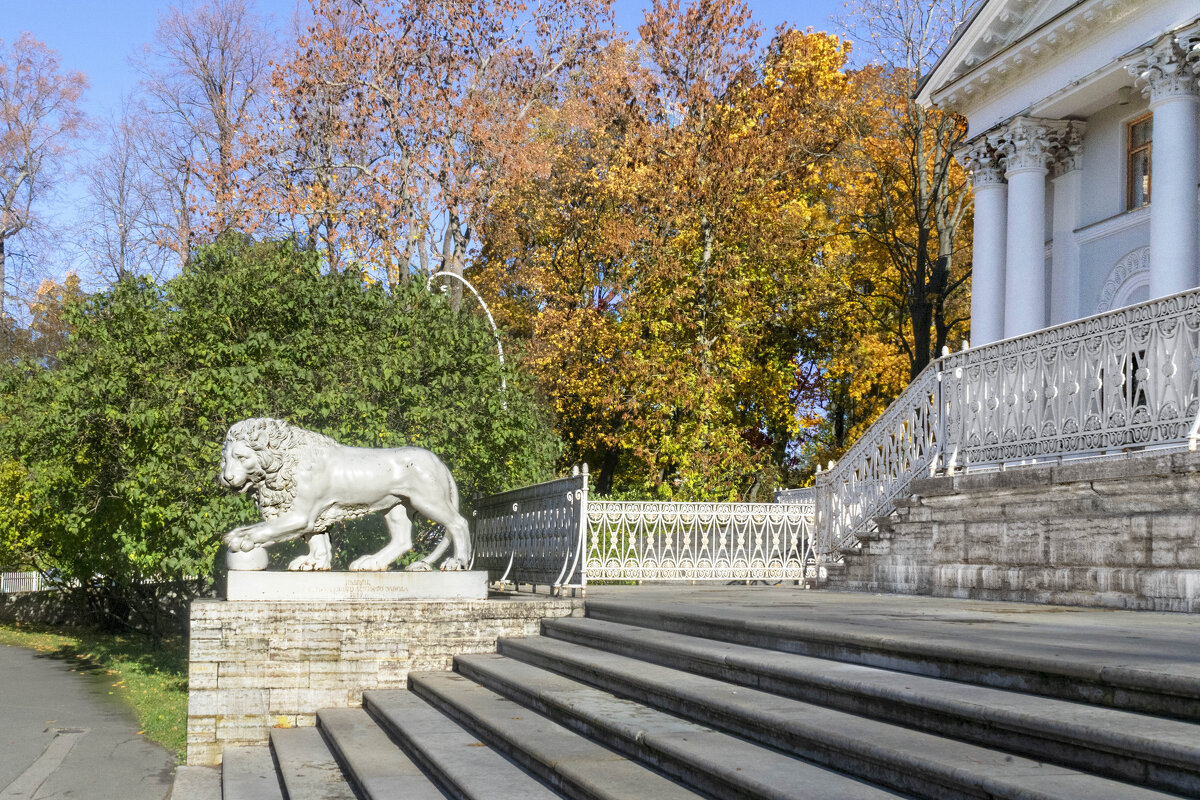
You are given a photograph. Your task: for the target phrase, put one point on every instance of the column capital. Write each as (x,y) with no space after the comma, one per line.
(1068,154)
(983,161)
(1168,68)
(1030,143)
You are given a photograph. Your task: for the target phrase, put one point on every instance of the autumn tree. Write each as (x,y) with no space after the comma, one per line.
(40,118)
(203,79)
(734,229)
(910,197)
(663,270)
(396,123)
(557,263)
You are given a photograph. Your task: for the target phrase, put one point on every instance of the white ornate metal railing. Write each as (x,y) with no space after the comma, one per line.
(551,534)
(698,541)
(12,582)
(1119,381)
(900,446)
(805,495)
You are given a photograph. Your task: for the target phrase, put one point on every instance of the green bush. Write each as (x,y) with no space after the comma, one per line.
(121,438)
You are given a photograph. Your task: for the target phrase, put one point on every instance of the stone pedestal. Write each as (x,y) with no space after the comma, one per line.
(258,664)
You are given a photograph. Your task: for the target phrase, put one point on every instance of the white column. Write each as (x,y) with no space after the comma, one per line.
(1064,261)
(1170,82)
(990,234)
(1026,150)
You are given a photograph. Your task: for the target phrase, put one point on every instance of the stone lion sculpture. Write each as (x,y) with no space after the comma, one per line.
(303,482)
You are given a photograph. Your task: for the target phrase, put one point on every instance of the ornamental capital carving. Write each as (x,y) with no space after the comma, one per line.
(1068,154)
(1026,143)
(1167,68)
(983,161)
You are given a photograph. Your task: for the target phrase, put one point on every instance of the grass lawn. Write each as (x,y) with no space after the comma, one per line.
(153,681)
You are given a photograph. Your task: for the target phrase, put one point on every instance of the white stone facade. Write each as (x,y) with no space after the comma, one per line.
(1050,90)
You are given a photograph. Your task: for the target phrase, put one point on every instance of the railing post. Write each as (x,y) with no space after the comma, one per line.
(583,532)
(940,423)
(822,515)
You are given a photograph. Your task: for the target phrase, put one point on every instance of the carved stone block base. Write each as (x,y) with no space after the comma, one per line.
(356,586)
(255,665)
(1109,533)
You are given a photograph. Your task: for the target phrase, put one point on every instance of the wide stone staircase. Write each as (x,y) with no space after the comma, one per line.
(643,701)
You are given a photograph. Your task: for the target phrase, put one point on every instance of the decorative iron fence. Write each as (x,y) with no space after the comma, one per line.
(1119,381)
(698,541)
(12,582)
(552,534)
(533,535)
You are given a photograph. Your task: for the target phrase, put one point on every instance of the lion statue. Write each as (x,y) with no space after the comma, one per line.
(304,482)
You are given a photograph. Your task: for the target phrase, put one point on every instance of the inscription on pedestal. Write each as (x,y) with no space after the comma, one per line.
(356,586)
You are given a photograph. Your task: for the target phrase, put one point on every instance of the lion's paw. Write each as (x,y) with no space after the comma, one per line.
(369,563)
(453,565)
(309,563)
(239,540)
(418,566)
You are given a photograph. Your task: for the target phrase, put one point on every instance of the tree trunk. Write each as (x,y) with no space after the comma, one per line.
(608,472)
(3,278)
(920,309)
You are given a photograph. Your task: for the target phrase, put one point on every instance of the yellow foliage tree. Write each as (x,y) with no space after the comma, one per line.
(669,272)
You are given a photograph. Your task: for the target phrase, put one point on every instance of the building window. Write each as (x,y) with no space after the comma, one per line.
(1138,162)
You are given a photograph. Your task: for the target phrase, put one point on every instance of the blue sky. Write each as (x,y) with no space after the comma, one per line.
(99,36)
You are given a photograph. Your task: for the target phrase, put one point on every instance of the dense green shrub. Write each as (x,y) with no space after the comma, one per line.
(120,440)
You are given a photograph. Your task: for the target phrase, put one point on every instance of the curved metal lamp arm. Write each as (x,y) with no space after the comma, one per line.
(486,310)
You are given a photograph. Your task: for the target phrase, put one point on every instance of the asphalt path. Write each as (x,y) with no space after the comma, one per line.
(62,735)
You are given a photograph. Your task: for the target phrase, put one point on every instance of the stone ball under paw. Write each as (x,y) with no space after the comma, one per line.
(247,561)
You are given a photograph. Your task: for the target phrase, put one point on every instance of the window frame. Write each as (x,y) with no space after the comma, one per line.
(1130,153)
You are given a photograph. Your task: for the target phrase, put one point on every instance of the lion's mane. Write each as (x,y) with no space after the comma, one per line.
(281,448)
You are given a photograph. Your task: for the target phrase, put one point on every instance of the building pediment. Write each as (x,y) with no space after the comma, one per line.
(1005,40)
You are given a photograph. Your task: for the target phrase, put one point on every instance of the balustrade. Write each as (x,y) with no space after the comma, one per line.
(1114,382)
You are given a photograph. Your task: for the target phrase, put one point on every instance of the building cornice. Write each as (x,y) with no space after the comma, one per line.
(982,73)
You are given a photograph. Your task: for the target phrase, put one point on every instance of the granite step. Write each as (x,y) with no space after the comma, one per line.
(706,760)
(248,773)
(307,768)
(574,765)
(1153,751)
(196,783)
(463,767)
(1150,689)
(903,759)
(374,765)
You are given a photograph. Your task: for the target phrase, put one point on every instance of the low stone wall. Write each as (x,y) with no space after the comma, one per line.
(259,664)
(1119,533)
(155,608)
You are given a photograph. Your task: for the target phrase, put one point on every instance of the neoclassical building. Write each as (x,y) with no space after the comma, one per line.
(1083,151)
